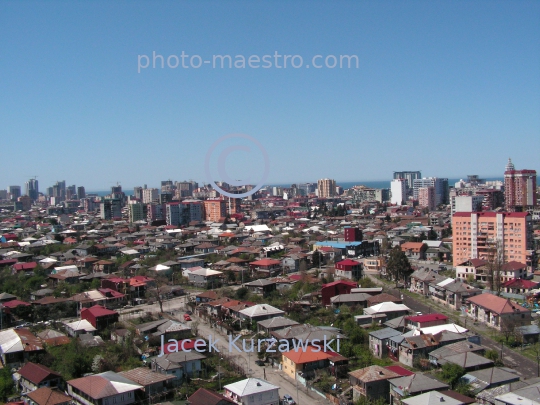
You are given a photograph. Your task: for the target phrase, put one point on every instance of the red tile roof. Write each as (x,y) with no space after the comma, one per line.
(400,370)
(206,397)
(37,373)
(496,304)
(265,262)
(309,355)
(47,396)
(427,318)
(98,310)
(15,303)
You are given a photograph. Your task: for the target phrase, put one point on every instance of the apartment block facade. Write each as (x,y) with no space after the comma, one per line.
(519,189)
(476,233)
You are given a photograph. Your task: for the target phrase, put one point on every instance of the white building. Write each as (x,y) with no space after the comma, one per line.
(149,195)
(253,391)
(398,188)
(467,203)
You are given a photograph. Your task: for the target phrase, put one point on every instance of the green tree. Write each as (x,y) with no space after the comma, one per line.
(242,293)
(398,266)
(317,258)
(451,373)
(7,385)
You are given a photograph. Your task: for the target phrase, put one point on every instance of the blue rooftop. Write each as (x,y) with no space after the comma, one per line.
(338,245)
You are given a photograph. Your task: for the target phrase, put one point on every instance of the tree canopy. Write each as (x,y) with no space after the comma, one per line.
(398,266)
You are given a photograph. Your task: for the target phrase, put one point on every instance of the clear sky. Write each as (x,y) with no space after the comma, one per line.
(448,87)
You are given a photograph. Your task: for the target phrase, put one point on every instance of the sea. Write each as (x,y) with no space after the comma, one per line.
(345,184)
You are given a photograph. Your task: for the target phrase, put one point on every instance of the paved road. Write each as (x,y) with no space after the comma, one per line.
(523,365)
(273,375)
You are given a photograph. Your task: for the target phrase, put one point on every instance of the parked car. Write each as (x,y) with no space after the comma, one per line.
(259,362)
(288,400)
(187,317)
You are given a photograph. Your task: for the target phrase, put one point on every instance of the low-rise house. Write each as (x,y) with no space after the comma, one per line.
(453,349)
(469,361)
(473,269)
(353,299)
(260,312)
(18,346)
(528,333)
(178,364)
(371,382)
(489,378)
(34,376)
(261,286)
(79,327)
(432,398)
(519,286)
(452,292)
(414,250)
(152,382)
(206,397)
(269,267)
(529,394)
(421,280)
(302,363)
(497,312)
(330,290)
(276,323)
(47,396)
(378,341)
(100,317)
(205,278)
(253,391)
(424,321)
(414,348)
(383,297)
(348,269)
(164,327)
(389,308)
(413,385)
(106,388)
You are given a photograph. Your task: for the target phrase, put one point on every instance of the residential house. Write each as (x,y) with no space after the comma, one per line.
(80,327)
(421,280)
(108,388)
(348,269)
(497,312)
(260,312)
(433,398)
(276,323)
(178,364)
(330,290)
(302,363)
(164,327)
(480,380)
(34,376)
(383,297)
(268,267)
(412,385)
(452,292)
(472,269)
(353,299)
(253,391)
(414,348)
(18,346)
(390,309)
(205,278)
(371,382)
(206,397)
(261,286)
(414,250)
(378,341)
(151,381)
(46,396)
(519,286)
(424,321)
(100,317)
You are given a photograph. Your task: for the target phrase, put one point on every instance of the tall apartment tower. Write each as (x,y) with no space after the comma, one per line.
(326,188)
(14,192)
(398,188)
(150,195)
(409,176)
(475,234)
(32,189)
(426,198)
(519,188)
(439,184)
(81,192)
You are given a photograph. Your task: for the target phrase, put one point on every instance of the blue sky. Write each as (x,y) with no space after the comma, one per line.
(449,88)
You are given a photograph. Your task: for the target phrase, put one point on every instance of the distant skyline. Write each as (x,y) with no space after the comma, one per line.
(449,88)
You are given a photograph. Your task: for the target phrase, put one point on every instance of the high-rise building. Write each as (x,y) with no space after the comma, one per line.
(167,186)
(182,213)
(14,192)
(111,208)
(409,176)
(136,212)
(440,185)
(150,195)
(476,234)
(155,212)
(426,198)
(3,194)
(519,189)
(138,193)
(326,188)
(71,191)
(81,192)
(467,203)
(215,209)
(398,188)
(32,189)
